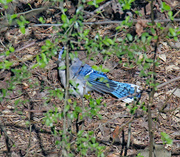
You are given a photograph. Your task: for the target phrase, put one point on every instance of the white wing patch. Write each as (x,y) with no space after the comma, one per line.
(90,72)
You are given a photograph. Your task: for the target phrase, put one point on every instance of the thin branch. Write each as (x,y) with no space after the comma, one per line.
(168,82)
(8,141)
(102,22)
(164,105)
(65,102)
(26,46)
(99,9)
(28,14)
(151,96)
(129,136)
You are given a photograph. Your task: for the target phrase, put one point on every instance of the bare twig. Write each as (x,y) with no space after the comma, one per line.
(168,82)
(99,9)
(9,142)
(151,96)
(164,105)
(28,14)
(129,135)
(26,46)
(66,101)
(102,22)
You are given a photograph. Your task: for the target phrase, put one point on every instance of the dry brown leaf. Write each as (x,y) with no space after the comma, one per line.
(175,44)
(148,9)
(172,3)
(176,116)
(172,67)
(164,116)
(138,142)
(25,85)
(177,93)
(27,1)
(114,155)
(117,7)
(27,57)
(162,57)
(6,111)
(140,25)
(159,151)
(115,134)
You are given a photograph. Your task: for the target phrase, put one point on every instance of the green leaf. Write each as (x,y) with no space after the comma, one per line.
(7,64)
(13,16)
(149,38)
(107,84)
(90,3)
(23,30)
(143,38)
(4,91)
(142,73)
(149,60)
(5,6)
(165,138)
(106,42)
(48,43)
(38,59)
(64,18)
(126,6)
(172,31)
(7,53)
(41,19)
(155,37)
(86,32)
(176,38)
(34,66)
(170,13)
(105,70)
(71,56)
(153,30)
(89,84)
(165,6)
(130,37)
(62,67)
(72,115)
(95,67)
(72,82)
(99,1)
(158,24)
(150,72)
(80,132)
(44,58)
(11,49)
(98,101)
(110,41)
(78,109)
(60,95)
(67,107)
(87,96)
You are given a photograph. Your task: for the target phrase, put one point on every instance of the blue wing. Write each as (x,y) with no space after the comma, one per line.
(100,82)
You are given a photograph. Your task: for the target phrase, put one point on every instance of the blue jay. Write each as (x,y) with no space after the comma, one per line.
(82,73)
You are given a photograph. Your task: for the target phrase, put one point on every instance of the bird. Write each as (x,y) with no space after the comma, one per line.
(87,79)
